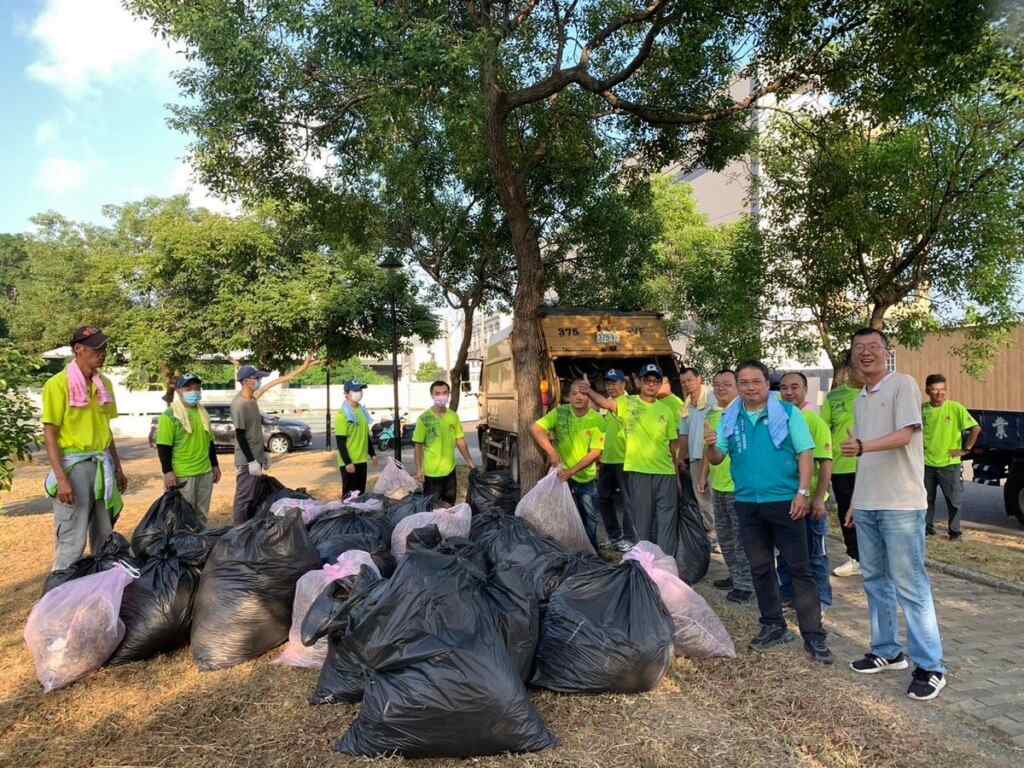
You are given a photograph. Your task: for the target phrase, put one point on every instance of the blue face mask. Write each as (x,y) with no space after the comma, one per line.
(192,398)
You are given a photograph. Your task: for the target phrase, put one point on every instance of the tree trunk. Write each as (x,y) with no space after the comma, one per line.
(468,310)
(527,345)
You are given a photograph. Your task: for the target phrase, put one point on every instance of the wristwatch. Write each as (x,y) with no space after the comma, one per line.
(804,492)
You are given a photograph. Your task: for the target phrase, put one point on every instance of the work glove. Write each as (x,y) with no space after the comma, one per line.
(255,468)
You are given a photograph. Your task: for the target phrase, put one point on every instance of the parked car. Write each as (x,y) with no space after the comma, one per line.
(279,435)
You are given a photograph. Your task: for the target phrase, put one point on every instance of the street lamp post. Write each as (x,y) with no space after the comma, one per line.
(393,264)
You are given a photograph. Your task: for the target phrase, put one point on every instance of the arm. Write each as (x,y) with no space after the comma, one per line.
(683,454)
(308,363)
(244,445)
(65,493)
(346,459)
(419,462)
(214,463)
(166,455)
(464,450)
(972,438)
(702,481)
(824,480)
(799,507)
(585,462)
(122,481)
(540,435)
(892,441)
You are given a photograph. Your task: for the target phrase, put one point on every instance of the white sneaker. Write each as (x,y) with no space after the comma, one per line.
(850,568)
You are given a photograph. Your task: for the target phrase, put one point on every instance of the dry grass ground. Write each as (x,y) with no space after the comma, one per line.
(996,554)
(774,710)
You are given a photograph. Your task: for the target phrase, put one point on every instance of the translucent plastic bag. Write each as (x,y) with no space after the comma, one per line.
(450,521)
(549,510)
(75,627)
(697,631)
(306,591)
(394,482)
(311,508)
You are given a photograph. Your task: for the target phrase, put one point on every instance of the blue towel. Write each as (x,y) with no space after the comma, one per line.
(350,413)
(778,419)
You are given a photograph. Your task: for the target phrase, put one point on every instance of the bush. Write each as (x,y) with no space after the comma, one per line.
(19,428)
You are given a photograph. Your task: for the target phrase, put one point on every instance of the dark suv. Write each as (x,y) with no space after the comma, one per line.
(279,435)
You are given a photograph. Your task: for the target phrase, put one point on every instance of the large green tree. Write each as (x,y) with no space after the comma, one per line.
(19,428)
(552,98)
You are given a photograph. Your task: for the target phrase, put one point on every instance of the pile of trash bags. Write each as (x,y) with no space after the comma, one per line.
(436,620)
(115,550)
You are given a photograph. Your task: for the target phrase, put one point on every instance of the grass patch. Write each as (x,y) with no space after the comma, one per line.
(996,554)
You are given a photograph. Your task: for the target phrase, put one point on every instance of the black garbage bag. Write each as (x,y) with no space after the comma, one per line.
(266,486)
(693,550)
(440,680)
(492,492)
(268,501)
(157,607)
(412,504)
(550,571)
(243,607)
(115,549)
(343,529)
(427,537)
(604,631)
(166,516)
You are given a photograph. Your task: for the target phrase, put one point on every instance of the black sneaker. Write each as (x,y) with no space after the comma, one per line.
(739,596)
(929,531)
(722,584)
(770,636)
(955,535)
(871,664)
(926,685)
(818,650)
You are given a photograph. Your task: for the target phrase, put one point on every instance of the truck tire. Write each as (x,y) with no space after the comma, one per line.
(1013,492)
(513,458)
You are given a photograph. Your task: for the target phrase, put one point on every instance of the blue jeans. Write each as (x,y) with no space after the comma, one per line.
(817,549)
(891,544)
(585,496)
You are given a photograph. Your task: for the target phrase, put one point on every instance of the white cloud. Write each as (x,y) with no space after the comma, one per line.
(88,42)
(58,175)
(47,132)
(184,182)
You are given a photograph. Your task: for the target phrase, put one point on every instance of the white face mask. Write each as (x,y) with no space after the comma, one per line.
(441,401)
(355,397)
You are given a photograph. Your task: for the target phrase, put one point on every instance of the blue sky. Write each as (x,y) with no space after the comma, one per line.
(84,117)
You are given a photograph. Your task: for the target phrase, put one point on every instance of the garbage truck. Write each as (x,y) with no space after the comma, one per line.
(575,342)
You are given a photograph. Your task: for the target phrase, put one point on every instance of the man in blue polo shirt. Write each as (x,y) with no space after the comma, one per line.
(772,457)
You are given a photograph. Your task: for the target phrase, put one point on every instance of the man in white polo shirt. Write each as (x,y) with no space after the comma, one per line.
(889,506)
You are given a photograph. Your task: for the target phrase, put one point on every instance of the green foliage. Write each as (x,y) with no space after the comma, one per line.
(430,371)
(346,370)
(708,279)
(19,425)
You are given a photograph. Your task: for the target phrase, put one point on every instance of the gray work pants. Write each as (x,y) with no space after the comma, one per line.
(654,507)
(87,517)
(245,492)
(727,525)
(951,482)
(197,491)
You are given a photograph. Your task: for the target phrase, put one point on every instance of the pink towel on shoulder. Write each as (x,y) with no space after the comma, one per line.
(78,388)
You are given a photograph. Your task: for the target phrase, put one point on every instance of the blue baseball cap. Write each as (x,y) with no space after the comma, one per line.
(188,378)
(354,386)
(251,372)
(652,369)
(614,374)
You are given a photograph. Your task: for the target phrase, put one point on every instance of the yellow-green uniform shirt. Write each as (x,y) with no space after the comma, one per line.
(822,436)
(82,430)
(943,432)
(614,440)
(837,413)
(358,434)
(190,452)
(649,428)
(575,437)
(438,435)
(677,404)
(720,476)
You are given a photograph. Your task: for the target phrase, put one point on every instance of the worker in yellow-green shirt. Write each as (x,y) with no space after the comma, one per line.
(793,389)
(651,428)
(186,448)
(740,584)
(579,441)
(837,413)
(945,422)
(611,480)
(86,479)
(352,433)
(438,433)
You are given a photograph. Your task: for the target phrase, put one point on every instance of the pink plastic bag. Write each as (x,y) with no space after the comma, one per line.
(75,628)
(549,510)
(311,508)
(394,482)
(450,521)
(698,632)
(307,590)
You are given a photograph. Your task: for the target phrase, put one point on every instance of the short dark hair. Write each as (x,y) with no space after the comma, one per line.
(795,373)
(934,378)
(754,364)
(724,371)
(440,383)
(871,332)
(688,369)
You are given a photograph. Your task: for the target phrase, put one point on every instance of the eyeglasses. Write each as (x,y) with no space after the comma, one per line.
(868,348)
